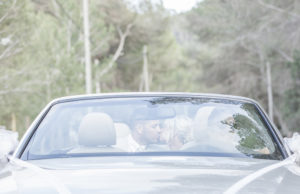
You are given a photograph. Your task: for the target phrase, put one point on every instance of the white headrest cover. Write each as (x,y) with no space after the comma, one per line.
(122,130)
(201,122)
(97,129)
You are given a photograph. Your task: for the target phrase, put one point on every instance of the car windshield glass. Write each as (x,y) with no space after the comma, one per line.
(153,126)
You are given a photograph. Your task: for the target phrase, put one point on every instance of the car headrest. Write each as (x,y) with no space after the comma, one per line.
(122,130)
(201,128)
(97,129)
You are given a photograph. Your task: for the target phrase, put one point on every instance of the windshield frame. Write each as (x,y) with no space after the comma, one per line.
(276,137)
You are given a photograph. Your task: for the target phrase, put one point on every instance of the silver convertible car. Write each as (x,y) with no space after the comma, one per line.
(152,143)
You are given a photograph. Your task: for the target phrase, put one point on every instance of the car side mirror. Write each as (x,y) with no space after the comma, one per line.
(8,143)
(294,145)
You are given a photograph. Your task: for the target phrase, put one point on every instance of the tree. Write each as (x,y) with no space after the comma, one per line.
(252,42)
(44,56)
(88,68)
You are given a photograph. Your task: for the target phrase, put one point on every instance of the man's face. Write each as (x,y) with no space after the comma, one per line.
(149,131)
(175,143)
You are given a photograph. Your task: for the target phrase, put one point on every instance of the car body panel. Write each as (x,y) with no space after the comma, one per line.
(151,175)
(146,174)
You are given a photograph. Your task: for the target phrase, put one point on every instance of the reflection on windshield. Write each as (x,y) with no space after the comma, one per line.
(153,125)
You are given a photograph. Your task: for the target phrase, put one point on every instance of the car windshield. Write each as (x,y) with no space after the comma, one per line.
(152,126)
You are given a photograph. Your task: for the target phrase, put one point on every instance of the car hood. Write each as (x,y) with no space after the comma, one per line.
(146,175)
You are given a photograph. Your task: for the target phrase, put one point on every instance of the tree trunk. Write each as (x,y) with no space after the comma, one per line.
(27,121)
(270,93)
(48,85)
(88,69)
(141,86)
(13,122)
(69,36)
(98,86)
(145,69)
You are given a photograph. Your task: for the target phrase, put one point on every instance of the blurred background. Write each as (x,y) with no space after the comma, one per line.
(247,48)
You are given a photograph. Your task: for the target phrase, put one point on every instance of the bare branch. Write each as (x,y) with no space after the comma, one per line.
(284,55)
(119,50)
(66,13)
(13,91)
(6,14)
(100,44)
(18,73)
(128,27)
(7,50)
(119,31)
(277,9)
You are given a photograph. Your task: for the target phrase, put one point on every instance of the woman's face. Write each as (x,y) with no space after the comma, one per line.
(175,143)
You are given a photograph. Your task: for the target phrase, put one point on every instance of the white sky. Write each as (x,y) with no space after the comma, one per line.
(179,5)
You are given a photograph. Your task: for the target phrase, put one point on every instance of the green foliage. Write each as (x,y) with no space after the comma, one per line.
(248,132)
(218,46)
(50,64)
(242,37)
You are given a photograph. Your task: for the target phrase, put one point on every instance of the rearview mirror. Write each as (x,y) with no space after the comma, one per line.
(153,113)
(8,143)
